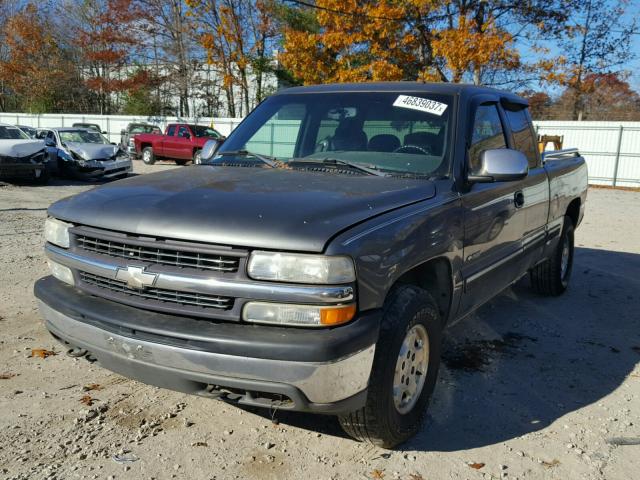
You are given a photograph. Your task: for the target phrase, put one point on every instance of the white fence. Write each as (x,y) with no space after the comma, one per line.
(612,149)
(112,124)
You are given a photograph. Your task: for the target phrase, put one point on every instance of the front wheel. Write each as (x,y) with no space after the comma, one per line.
(551,277)
(404,372)
(147,156)
(197,157)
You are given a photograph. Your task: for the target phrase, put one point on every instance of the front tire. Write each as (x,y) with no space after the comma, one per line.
(197,157)
(44,177)
(148,156)
(399,392)
(551,277)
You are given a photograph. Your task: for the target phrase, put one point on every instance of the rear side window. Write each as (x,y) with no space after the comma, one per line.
(523,135)
(487,134)
(171,130)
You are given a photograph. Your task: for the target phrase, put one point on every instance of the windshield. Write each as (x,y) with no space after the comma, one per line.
(390,132)
(12,133)
(202,131)
(82,136)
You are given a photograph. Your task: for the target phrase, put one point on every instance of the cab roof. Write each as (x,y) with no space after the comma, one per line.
(405,87)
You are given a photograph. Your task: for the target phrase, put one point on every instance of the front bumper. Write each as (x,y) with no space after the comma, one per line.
(103,169)
(323,371)
(22,170)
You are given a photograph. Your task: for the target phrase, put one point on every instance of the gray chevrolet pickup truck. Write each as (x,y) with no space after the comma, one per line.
(312,261)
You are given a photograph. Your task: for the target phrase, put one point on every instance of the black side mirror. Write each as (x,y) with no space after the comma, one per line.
(500,165)
(210,148)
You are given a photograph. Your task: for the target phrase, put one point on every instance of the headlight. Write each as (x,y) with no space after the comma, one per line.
(298,315)
(57,232)
(301,268)
(61,272)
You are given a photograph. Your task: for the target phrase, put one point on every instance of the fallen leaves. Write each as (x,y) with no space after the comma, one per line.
(7,376)
(42,353)
(199,444)
(377,474)
(91,386)
(476,466)
(87,400)
(416,476)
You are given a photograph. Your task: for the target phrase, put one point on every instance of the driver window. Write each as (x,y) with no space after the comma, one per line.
(487,134)
(51,137)
(182,132)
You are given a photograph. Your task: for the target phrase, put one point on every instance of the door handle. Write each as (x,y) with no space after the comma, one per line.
(518,199)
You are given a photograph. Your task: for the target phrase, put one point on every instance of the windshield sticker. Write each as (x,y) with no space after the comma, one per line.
(422,104)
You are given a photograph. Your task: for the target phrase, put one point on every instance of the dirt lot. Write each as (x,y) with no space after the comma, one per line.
(533,388)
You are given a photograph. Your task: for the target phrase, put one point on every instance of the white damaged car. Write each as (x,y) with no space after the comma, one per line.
(21,156)
(84,153)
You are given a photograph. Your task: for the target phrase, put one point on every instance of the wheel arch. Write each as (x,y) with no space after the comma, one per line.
(436,277)
(573,211)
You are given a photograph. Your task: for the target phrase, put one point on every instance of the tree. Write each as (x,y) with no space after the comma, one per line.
(237,37)
(539,104)
(436,40)
(35,69)
(106,36)
(597,41)
(604,96)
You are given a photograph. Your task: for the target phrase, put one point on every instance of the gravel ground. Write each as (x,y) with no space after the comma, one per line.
(531,388)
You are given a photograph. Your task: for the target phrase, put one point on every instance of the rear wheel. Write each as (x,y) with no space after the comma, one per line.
(552,276)
(404,373)
(147,156)
(181,162)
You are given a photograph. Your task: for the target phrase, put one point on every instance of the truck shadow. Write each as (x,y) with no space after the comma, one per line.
(522,361)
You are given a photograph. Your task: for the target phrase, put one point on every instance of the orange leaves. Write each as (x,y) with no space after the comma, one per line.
(377,474)
(87,400)
(362,43)
(7,376)
(476,466)
(470,47)
(41,353)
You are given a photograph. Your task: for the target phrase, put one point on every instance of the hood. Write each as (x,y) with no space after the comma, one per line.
(93,151)
(20,148)
(250,207)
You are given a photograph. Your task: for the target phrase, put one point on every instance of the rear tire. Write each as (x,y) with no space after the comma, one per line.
(392,414)
(551,277)
(148,156)
(181,162)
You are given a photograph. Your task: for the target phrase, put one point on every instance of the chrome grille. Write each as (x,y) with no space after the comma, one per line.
(158,255)
(158,294)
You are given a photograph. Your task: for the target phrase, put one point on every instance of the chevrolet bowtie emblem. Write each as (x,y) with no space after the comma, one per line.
(136,277)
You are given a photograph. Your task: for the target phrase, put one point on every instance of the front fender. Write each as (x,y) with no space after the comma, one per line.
(387,246)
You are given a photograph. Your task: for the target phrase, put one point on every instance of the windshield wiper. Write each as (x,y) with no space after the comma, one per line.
(271,161)
(335,162)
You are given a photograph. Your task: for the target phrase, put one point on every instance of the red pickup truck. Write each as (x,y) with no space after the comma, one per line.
(181,142)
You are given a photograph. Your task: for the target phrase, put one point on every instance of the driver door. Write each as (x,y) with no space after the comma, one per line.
(492,225)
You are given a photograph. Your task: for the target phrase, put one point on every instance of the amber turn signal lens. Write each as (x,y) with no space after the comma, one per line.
(337,315)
